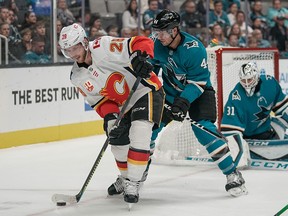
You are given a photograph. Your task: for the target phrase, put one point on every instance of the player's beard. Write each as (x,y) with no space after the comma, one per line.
(88,58)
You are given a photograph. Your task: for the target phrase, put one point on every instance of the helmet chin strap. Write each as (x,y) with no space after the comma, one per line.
(173,38)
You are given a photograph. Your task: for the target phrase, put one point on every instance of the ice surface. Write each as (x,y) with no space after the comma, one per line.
(30,175)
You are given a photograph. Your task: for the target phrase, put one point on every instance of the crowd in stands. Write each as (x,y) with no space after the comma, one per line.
(29,36)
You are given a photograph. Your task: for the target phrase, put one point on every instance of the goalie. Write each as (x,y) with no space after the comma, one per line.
(249,107)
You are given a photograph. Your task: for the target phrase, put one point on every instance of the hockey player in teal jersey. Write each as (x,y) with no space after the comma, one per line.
(250,104)
(186,81)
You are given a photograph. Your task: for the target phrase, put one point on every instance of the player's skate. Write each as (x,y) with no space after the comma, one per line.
(131,192)
(236,184)
(117,187)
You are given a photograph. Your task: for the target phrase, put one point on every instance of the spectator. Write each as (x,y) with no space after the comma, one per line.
(233,40)
(143,6)
(4,14)
(256,11)
(24,46)
(130,18)
(11,5)
(94,33)
(252,42)
(40,31)
(36,55)
(14,35)
(64,14)
(235,30)
(4,31)
(29,20)
(97,26)
(149,15)
(190,18)
(240,20)
(125,33)
(261,43)
(233,9)
(218,35)
(219,16)
(262,26)
(87,19)
(201,6)
(277,11)
(112,30)
(228,3)
(279,34)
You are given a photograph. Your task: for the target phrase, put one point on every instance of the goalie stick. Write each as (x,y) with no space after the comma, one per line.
(76,198)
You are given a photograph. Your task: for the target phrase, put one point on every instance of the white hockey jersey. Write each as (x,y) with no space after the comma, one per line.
(106,83)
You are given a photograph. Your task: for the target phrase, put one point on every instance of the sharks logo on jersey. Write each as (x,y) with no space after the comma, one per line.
(175,80)
(191,44)
(172,62)
(264,112)
(236,96)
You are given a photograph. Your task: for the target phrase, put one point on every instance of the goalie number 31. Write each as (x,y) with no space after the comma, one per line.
(230,111)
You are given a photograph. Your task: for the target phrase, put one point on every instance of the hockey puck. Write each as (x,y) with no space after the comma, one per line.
(61,203)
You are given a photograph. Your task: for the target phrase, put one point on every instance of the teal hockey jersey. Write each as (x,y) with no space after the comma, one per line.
(184,70)
(251,115)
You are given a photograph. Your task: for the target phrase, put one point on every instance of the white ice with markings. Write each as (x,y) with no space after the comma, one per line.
(30,175)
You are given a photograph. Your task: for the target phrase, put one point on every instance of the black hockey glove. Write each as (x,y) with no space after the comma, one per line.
(140,64)
(113,131)
(179,108)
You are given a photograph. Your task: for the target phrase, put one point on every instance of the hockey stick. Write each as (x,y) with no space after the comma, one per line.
(62,198)
(216,135)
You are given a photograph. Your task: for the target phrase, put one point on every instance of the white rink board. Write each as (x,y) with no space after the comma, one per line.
(38,97)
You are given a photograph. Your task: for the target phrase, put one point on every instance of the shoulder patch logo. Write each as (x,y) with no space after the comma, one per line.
(191,44)
(89,86)
(236,96)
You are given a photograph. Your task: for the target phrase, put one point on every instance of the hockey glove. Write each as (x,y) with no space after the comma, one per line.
(113,131)
(140,64)
(179,108)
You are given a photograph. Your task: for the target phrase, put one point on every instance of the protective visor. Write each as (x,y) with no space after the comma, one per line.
(163,33)
(72,51)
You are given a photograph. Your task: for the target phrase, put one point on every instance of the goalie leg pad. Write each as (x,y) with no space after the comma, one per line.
(279,126)
(204,107)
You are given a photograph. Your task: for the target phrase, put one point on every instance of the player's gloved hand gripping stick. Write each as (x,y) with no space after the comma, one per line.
(62,199)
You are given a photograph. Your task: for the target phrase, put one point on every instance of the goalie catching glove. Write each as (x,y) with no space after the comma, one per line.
(179,108)
(140,64)
(113,131)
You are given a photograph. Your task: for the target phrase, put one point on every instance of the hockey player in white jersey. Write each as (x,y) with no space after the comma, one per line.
(104,72)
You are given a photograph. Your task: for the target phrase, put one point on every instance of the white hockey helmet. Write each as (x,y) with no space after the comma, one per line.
(70,36)
(249,77)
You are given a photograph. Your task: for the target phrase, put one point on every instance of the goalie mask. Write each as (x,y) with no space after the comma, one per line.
(71,39)
(249,77)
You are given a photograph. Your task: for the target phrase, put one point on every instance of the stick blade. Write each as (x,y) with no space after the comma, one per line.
(62,197)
